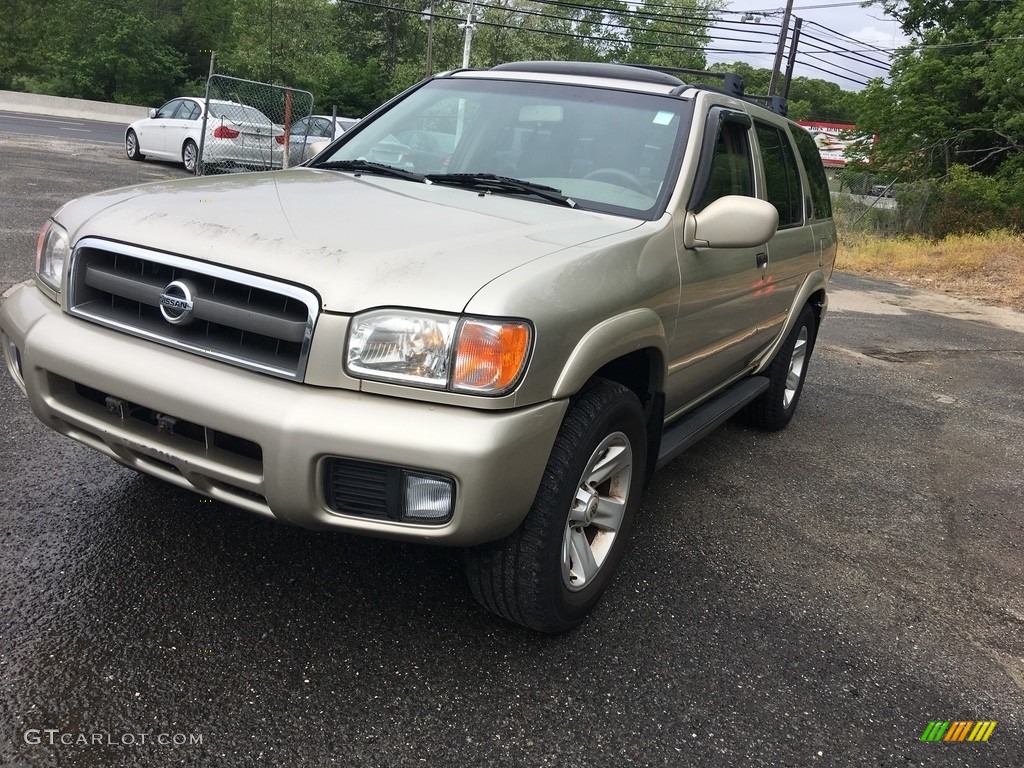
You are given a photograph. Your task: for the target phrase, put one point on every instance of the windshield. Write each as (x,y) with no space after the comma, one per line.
(608,150)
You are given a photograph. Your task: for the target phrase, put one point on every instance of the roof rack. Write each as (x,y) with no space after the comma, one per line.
(777,104)
(732,85)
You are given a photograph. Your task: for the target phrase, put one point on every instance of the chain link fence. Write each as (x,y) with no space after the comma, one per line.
(251,126)
(893,211)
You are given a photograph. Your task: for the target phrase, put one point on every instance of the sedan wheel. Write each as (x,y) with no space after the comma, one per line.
(190,156)
(131,146)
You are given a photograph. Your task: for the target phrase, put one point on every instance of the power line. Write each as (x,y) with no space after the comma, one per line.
(859,80)
(842,53)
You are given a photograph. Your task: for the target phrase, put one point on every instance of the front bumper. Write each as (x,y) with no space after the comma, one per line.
(496,458)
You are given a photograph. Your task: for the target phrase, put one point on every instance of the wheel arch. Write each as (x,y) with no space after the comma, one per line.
(813,292)
(630,350)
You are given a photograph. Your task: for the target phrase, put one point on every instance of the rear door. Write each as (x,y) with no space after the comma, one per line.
(817,199)
(185,122)
(791,252)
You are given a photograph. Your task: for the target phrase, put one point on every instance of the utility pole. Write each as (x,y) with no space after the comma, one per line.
(777,69)
(792,57)
(469,27)
(429,13)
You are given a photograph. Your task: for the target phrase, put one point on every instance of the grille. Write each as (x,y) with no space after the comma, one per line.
(235,317)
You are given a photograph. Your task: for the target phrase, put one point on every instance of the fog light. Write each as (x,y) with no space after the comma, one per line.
(428,497)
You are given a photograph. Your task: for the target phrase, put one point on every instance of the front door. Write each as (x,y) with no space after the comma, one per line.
(719,327)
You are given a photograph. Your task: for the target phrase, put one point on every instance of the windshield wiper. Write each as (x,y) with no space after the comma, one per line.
(491,182)
(365,166)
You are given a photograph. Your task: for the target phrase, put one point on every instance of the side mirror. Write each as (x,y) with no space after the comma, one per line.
(733,221)
(152,112)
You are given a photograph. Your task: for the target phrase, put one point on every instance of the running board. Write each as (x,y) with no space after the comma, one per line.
(708,417)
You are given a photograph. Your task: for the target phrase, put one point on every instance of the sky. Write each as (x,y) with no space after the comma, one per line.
(832,22)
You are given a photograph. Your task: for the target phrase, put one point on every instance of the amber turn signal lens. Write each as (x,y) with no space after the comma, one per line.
(490,356)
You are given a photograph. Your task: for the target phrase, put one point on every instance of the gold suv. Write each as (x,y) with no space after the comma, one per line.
(481,317)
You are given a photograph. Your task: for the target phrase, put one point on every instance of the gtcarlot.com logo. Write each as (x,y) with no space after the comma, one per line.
(958,730)
(55,737)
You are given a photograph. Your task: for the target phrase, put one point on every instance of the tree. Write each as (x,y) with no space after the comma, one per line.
(955,92)
(657,35)
(809,98)
(23,58)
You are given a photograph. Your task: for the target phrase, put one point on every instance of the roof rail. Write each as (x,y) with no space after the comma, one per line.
(732,82)
(732,85)
(593,69)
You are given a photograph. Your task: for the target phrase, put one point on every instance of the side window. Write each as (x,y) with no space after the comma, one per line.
(168,109)
(189,111)
(322,128)
(730,172)
(821,200)
(781,174)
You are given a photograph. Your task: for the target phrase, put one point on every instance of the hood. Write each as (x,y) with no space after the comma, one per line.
(359,242)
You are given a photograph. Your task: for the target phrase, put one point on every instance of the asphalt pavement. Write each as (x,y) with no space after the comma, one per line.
(816,596)
(67,128)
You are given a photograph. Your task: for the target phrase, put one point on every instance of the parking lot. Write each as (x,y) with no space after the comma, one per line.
(811,597)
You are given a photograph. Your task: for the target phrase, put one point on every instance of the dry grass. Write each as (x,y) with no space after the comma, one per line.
(988,267)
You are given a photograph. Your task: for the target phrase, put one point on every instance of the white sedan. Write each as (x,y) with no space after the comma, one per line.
(315,128)
(236,134)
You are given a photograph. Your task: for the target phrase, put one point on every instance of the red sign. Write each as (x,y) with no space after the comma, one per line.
(834,140)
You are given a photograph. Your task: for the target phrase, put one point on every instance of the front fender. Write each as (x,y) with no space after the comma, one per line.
(611,339)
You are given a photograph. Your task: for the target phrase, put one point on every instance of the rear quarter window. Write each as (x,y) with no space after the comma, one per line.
(821,200)
(782,177)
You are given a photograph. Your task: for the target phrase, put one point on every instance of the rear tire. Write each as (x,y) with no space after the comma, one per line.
(552,570)
(773,409)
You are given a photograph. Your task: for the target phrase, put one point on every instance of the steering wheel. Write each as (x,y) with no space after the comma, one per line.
(620,177)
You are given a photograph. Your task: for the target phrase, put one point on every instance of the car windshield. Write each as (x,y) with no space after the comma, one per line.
(608,150)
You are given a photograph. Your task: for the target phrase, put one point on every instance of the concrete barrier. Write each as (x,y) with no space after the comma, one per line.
(81,109)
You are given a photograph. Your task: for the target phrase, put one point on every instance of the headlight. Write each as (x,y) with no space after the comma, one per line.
(52,249)
(473,355)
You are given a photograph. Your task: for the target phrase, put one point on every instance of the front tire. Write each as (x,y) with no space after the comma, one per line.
(552,570)
(131,146)
(773,409)
(190,156)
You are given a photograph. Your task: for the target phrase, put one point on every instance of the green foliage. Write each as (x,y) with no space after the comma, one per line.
(652,34)
(115,50)
(971,202)
(809,98)
(23,25)
(955,96)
